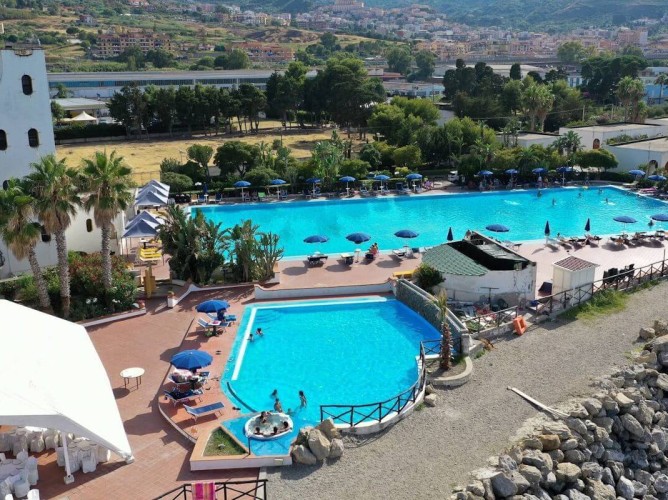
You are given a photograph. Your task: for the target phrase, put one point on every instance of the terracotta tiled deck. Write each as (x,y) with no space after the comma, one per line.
(161,452)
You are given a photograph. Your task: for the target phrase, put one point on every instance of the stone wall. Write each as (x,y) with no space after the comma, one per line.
(418,301)
(612,445)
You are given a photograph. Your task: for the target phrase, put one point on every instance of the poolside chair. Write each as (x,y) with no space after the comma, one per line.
(202,198)
(179,397)
(211,326)
(316,260)
(399,254)
(347,258)
(363,190)
(199,411)
(282,195)
(219,197)
(229,318)
(261,196)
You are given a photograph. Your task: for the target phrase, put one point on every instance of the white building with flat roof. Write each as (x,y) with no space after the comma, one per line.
(651,152)
(595,136)
(26,132)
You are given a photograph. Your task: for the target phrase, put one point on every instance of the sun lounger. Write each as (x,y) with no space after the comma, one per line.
(200,411)
(229,318)
(592,240)
(364,191)
(347,258)
(574,240)
(316,260)
(211,327)
(181,397)
(399,254)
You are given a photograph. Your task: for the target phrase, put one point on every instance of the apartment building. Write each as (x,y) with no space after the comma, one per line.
(113,44)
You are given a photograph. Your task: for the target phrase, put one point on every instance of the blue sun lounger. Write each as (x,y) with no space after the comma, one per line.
(183,397)
(198,411)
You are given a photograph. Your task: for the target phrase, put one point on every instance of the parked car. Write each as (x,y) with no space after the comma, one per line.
(453,176)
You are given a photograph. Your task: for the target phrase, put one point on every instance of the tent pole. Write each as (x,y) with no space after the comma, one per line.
(69,478)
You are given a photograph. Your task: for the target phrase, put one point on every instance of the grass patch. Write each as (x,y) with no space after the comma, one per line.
(220,443)
(419,407)
(609,301)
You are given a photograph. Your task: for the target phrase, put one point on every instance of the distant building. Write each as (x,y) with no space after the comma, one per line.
(87,20)
(595,136)
(347,6)
(114,44)
(651,152)
(26,132)
(263,52)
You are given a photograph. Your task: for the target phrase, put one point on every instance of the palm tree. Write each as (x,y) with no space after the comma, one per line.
(629,92)
(537,101)
(661,80)
(107,179)
(441,303)
(54,188)
(21,232)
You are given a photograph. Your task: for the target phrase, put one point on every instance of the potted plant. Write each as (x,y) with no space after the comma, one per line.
(171,299)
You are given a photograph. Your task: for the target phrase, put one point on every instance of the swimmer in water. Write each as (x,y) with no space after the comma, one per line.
(554,201)
(539,194)
(606,200)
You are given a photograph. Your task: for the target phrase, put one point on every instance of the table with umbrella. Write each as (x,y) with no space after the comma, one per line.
(381,178)
(413,178)
(213,306)
(317,258)
(277,183)
(540,171)
(190,360)
(512,172)
(347,179)
(242,185)
(563,171)
(659,218)
(358,238)
(624,219)
(315,181)
(406,234)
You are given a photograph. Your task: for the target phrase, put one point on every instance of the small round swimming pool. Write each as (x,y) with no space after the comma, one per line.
(348,352)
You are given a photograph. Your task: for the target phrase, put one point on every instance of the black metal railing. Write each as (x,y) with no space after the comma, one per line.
(252,489)
(354,415)
(431,347)
(624,279)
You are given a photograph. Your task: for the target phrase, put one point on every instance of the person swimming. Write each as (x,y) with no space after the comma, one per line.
(259,332)
(274,394)
(554,201)
(278,406)
(539,194)
(257,430)
(302,399)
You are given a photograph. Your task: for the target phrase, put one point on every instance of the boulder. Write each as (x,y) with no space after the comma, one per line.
(605,422)
(574,456)
(537,459)
(567,472)
(302,455)
(559,428)
(647,333)
(302,435)
(531,474)
(477,488)
(659,344)
(660,327)
(578,411)
(632,425)
(489,490)
(556,455)
(520,481)
(593,406)
(503,485)
(318,444)
(591,470)
(623,401)
(336,448)
(639,489)
(663,358)
(574,494)
(507,464)
(625,488)
(576,425)
(569,444)
(532,443)
(662,382)
(661,483)
(550,441)
(599,491)
(328,428)
(430,400)
(429,389)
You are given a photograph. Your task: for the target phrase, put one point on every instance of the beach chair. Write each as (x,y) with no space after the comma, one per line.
(261,196)
(199,411)
(219,197)
(182,397)
(202,198)
(229,318)
(210,327)
(363,190)
(592,240)
(399,254)
(316,260)
(282,195)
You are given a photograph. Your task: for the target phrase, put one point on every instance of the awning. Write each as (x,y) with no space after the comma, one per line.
(54,378)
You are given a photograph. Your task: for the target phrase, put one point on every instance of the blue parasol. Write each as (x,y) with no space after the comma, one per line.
(547,228)
(212,306)
(414,177)
(625,219)
(539,170)
(660,217)
(450,236)
(242,185)
(358,237)
(347,179)
(637,173)
(277,182)
(655,177)
(485,173)
(512,171)
(497,228)
(191,359)
(588,226)
(316,238)
(406,233)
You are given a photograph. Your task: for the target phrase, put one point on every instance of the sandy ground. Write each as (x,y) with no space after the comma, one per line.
(436,448)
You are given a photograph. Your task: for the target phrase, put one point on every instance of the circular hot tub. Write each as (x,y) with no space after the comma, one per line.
(273,427)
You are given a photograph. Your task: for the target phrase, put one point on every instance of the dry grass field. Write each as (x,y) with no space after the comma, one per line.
(145,156)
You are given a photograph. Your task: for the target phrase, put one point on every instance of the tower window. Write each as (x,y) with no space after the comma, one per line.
(26,83)
(46,237)
(33,138)
(89,225)
(3,140)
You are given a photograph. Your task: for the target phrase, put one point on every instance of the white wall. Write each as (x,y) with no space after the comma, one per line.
(630,158)
(588,134)
(507,283)
(563,279)
(526,142)
(19,113)
(81,240)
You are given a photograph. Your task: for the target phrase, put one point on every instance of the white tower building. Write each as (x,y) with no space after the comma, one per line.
(26,132)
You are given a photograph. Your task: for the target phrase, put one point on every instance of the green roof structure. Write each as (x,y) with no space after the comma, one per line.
(448,260)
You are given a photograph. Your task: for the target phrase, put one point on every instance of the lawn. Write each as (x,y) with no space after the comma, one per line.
(145,156)
(220,443)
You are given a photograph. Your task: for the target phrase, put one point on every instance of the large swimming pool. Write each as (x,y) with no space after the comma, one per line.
(523,212)
(340,351)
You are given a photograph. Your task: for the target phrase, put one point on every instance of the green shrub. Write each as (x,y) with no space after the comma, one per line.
(427,277)
(89,131)
(177,182)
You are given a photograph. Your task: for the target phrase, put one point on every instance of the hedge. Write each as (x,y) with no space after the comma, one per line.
(89,131)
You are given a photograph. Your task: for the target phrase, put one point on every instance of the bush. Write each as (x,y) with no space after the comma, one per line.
(89,131)
(427,277)
(616,176)
(177,182)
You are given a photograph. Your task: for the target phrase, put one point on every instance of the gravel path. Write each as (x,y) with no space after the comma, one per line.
(434,449)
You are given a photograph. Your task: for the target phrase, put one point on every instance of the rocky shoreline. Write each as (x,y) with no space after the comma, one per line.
(611,445)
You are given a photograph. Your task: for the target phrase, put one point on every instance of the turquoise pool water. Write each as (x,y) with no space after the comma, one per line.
(522,211)
(337,351)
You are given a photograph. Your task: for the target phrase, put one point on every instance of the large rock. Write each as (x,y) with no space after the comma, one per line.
(574,494)
(660,344)
(328,428)
(503,485)
(430,400)
(550,441)
(625,488)
(569,444)
(520,481)
(567,472)
(301,454)
(632,425)
(531,474)
(532,443)
(661,483)
(537,459)
(591,470)
(477,488)
(593,406)
(578,411)
(623,401)
(661,327)
(507,464)
(599,491)
(662,382)
(318,444)
(575,456)
(576,425)
(647,333)
(336,448)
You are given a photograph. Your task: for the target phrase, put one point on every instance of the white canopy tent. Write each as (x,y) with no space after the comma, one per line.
(43,389)
(83,117)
